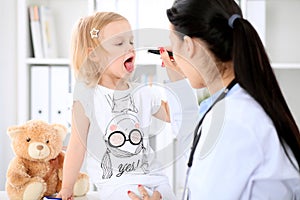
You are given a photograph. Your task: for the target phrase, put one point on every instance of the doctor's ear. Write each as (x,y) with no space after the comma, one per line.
(189,45)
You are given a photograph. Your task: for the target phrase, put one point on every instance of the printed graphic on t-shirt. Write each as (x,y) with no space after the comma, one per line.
(124,140)
(121,104)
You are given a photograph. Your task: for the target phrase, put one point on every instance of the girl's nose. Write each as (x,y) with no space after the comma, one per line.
(130,49)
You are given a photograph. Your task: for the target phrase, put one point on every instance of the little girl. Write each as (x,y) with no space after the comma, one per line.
(111,116)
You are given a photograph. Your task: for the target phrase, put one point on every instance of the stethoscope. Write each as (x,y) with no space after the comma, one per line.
(198,131)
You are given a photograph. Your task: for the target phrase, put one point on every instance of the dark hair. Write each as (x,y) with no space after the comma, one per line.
(208,20)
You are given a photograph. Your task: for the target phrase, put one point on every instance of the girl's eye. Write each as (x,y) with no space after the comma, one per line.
(28,139)
(131,42)
(47,141)
(119,44)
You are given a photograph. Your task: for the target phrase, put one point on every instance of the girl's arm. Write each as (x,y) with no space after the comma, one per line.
(76,150)
(182,108)
(174,74)
(163,112)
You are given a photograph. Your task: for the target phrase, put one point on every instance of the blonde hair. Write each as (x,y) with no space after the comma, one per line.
(82,43)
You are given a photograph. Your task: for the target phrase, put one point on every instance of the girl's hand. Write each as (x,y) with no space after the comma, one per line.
(65,194)
(173,70)
(145,196)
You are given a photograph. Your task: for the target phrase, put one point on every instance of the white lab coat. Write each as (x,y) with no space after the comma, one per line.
(239,154)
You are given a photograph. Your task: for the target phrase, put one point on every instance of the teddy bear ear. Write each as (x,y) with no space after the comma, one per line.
(14,130)
(61,130)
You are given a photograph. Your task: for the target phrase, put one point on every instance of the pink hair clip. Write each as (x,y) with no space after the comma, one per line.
(94,33)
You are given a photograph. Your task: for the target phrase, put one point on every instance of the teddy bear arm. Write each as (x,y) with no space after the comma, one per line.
(61,157)
(18,180)
(17,173)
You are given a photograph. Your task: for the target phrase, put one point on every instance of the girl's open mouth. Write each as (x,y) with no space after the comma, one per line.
(129,64)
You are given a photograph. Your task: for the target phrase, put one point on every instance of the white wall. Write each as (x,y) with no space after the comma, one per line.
(282,44)
(283,30)
(289,82)
(8,80)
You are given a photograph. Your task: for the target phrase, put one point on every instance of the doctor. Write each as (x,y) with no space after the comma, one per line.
(250,144)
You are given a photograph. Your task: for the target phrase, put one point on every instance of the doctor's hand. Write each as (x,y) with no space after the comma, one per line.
(145,196)
(173,70)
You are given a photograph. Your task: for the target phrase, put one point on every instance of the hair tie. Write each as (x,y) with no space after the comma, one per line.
(232,19)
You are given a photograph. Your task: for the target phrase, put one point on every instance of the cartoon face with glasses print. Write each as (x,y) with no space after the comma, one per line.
(124,139)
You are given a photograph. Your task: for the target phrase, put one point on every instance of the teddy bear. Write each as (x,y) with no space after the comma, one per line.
(36,169)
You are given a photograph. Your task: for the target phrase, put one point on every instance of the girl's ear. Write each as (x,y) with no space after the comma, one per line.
(189,45)
(92,54)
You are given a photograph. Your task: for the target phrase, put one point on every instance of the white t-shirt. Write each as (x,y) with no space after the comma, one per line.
(118,149)
(239,155)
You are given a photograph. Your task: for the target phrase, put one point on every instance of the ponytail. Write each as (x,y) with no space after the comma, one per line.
(254,73)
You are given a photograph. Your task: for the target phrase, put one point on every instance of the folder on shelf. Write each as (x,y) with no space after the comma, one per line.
(48,32)
(39,97)
(59,95)
(35,30)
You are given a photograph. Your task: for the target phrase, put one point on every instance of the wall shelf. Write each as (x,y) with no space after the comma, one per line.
(65,16)
(286,65)
(48,61)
